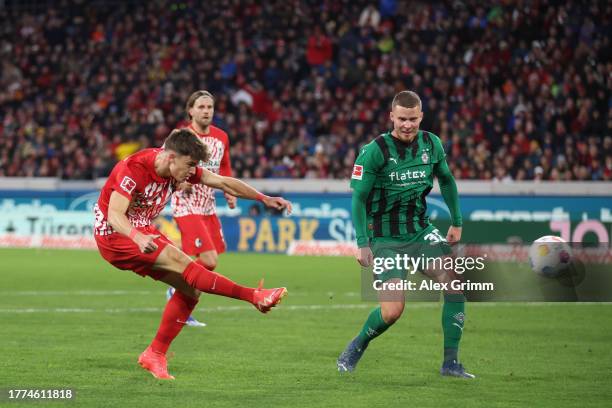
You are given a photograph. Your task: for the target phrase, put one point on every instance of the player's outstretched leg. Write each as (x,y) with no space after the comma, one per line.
(374,326)
(453,318)
(207,281)
(191,321)
(178,265)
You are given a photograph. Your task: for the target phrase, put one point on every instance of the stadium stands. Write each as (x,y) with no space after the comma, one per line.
(516,91)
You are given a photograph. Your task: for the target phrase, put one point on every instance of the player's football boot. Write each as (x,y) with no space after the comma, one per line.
(454,369)
(191,321)
(155,363)
(350,356)
(266,299)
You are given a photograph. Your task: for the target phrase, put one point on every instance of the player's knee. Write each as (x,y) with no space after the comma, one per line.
(209,260)
(177,257)
(390,313)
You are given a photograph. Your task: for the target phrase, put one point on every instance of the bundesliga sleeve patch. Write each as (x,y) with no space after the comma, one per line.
(357,172)
(128,185)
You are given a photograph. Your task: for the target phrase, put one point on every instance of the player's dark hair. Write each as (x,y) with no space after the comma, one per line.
(186,143)
(194,97)
(406,99)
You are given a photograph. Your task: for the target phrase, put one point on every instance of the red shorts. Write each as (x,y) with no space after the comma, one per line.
(200,233)
(121,252)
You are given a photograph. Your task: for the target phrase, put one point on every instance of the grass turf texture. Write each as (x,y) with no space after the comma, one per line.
(523,354)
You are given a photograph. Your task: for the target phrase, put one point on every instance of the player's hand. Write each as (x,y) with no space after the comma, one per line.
(146,243)
(278,203)
(453,235)
(365,257)
(231,200)
(186,188)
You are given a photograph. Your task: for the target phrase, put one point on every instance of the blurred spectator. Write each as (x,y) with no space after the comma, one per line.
(514,92)
(369,17)
(319,49)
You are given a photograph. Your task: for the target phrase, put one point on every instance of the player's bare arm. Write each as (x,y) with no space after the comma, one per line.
(241,189)
(117,209)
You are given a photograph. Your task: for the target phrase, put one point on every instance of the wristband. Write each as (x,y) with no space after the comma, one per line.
(260,196)
(133,233)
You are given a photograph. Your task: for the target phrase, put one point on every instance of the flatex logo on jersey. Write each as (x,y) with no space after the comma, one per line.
(409,175)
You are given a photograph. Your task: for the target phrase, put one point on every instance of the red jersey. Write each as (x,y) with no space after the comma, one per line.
(135,178)
(201,200)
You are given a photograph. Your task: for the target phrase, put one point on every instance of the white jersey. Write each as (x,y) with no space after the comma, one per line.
(201,200)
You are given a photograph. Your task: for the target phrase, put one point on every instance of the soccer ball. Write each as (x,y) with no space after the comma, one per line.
(550,256)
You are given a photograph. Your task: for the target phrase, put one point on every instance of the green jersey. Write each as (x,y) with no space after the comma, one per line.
(393,178)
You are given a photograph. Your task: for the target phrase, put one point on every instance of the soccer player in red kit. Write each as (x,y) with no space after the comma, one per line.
(136,191)
(193,206)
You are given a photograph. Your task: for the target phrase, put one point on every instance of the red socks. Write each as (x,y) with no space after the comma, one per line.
(207,281)
(177,311)
(179,307)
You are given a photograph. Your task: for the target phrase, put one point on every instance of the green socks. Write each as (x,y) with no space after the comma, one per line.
(453,317)
(373,327)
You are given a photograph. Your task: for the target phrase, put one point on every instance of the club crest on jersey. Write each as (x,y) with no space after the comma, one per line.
(128,185)
(357,172)
(425,157)
(198,242)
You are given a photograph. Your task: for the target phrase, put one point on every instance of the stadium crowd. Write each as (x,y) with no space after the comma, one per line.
(516,90)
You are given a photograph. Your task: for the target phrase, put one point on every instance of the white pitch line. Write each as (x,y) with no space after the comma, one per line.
(202,310)
(420,305)
(77,292)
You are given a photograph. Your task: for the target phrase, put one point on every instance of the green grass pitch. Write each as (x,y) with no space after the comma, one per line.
(69,320)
